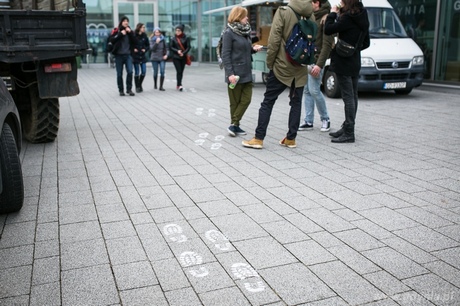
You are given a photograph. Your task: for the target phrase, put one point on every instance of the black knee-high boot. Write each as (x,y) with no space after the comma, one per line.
(155,78)
(141,79)
(136,83)
(162,79)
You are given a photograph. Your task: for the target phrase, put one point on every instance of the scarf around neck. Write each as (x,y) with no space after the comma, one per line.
(240,29)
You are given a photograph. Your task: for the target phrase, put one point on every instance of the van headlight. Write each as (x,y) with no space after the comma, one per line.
(417,60)
(367,62)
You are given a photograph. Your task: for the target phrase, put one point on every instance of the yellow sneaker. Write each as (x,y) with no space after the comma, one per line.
(288,143)
(253,143)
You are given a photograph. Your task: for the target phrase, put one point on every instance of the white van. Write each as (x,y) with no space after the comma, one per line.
(393,60)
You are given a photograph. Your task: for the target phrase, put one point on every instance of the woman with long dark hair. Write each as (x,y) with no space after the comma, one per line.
(138,54)
(179,48)
(350,22)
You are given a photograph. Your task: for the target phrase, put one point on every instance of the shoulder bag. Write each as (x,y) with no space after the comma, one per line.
(344,49)
(188,59)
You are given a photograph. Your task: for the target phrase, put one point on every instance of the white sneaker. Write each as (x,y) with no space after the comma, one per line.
(326,126)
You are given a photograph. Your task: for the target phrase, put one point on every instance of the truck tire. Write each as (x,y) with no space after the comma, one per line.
(41,123)
(403,92)
(331,85)
(12,196)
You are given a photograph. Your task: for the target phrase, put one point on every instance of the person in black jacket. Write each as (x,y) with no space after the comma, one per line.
(138,53)
(179,48)
(351,22)
(123,41)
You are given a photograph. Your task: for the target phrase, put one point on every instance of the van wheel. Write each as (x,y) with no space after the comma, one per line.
(403,92)
(264,77)
(12,196)
(331,85)
(41,122)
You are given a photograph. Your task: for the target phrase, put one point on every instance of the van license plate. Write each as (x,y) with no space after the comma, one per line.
(394,85)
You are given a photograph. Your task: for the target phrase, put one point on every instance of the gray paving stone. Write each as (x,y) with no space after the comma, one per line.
(353,259)
(15,281)
(208,277)
(328,220)
(118,229)
(132,201)
(183,297)
(112,212)
(205,195)
(447,272)
(47,231)
(264,252)
(346,283)
(310,252)
(284,232)
(170,275)
(125,250)
(408,249)
(46,270)
(373,229)
(296,284)
(424,217)
(336,301)
(435,289)
(97,289)
(45,294)
(134,275)
(79,254)
(388,219)
(225,297)
(359,240)
(18,234)
(77,213)
(80,231)
(238,227)
(16,256)
(411,298)
(386,283)
(450,256)
(325,239)
(347,214)
(46,249)
(352,200)
(427,239)
(166,214)
(394,263)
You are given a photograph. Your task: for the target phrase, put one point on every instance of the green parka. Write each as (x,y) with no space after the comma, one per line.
(283,22)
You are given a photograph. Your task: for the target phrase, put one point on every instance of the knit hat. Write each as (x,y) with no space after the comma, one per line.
(180,27)
(156,29)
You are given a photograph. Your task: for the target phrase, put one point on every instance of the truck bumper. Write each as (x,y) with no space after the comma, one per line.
(372,79)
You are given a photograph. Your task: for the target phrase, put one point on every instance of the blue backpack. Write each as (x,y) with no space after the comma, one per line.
(300,46)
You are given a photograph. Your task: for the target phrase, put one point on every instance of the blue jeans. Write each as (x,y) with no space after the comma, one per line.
(312,95)
(155,65)
(272,92)
(349,89)
(140,66)
(126,60)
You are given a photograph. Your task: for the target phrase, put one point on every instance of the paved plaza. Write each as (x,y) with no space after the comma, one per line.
(147,200)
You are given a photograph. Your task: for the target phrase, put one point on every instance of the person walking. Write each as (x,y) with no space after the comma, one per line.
(138,53)
(123,41)
(158,56)
(283,74)
(179,48)
(236,58)
(312,91)
(351,22)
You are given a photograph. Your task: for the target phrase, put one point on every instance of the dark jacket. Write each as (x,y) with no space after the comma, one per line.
(141,42)
(158,50)
(323,43)
(348,26)
(283,22)
(174,47)
(122,44)
(236,56)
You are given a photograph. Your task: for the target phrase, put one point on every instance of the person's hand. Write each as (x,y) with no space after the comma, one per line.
(128,29)
(123,32)
(232,79)
(143,50)
(257,47)
(135,50)
(165,57)
(158,40)
(315,71)
(179,52)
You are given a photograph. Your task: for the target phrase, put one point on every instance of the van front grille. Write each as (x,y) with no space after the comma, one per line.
(389,65)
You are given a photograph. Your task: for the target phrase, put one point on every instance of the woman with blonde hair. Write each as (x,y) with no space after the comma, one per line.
(236,57)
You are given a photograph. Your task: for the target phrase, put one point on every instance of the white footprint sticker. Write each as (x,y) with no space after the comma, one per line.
(175,231)
(220,241)
(219,138)
(199,142)
(203,135)
(199,111)
(243,271)
(216,146)
(200,272)
(189,258)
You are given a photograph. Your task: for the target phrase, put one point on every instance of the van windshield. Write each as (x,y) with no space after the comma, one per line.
(384,23)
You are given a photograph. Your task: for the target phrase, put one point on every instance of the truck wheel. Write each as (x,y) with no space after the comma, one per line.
(41,123)
(12,196)
(264,77)
(403,92)
(331,87)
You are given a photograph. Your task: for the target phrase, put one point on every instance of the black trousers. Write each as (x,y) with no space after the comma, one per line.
(349,88)
(179,64)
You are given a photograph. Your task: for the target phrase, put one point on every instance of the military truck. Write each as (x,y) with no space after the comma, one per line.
(39,44)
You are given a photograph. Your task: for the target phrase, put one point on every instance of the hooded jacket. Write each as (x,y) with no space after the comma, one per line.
(283,22)
(324,43)
(348,25)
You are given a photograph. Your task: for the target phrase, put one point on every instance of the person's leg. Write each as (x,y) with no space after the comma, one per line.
(129,71)
(162,74)
(119,69)
(309,105)
(182,65)
(155,73)
(142,75)
(242,104)
(348,97)
(178,66)
(136,76)
(295,112)
(318,97)
(273,89)
(354,80)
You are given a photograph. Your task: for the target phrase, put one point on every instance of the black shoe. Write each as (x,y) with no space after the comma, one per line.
(344,138)
(129,92)
(122,93)
(336,134)
(305,126)
(138,89)
(231,130)
(238,130)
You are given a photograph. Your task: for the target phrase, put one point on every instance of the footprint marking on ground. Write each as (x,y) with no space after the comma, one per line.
(220,241)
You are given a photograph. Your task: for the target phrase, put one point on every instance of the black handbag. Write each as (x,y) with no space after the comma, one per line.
(344,49)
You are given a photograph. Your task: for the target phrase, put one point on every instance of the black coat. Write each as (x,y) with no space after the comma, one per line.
(141,42)
(348,26)
(174,47)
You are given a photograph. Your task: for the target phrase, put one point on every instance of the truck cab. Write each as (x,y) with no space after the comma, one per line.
(393,60)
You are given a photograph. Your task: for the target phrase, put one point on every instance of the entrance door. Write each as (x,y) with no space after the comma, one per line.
(447,66)
(145,12)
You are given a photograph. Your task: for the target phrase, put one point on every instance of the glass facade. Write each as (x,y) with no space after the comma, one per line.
(433,24)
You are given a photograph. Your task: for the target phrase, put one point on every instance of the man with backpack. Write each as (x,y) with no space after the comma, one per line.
(283,73)
(312,92)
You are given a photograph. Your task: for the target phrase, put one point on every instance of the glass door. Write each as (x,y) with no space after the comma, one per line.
(447,66)
(137,12)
